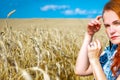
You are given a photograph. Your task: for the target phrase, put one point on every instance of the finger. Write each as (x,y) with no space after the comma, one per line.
(91,44)
(95,22)
(95,44)
(98,17)
(90,24)
(89,47)
(98,27)
(98,24)
(99,44)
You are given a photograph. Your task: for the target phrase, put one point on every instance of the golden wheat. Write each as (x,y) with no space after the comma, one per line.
(43,50)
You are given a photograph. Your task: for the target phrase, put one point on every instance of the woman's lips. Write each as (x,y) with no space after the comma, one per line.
(114,37)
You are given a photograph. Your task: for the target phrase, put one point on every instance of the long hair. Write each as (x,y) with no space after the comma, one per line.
(114,5)
(116,61)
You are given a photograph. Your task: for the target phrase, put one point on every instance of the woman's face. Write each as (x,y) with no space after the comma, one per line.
(112,26)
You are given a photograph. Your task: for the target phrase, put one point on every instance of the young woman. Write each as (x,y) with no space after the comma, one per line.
(105,66)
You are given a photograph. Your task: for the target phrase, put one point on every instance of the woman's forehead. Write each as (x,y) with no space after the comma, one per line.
(110,16)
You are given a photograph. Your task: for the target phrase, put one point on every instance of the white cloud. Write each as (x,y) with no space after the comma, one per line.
(68,12)
(65,9)
(78,11)
(53,7)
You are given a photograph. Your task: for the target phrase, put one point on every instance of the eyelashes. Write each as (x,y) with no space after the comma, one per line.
(114,23)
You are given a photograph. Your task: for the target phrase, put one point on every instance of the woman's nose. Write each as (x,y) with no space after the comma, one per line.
(112,29)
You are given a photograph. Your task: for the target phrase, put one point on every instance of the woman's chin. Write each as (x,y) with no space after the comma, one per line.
(115,41)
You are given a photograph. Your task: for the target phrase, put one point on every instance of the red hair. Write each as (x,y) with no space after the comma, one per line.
(114,5)
(116,61)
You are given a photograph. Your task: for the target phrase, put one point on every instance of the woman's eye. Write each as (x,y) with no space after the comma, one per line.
(106,26)
(116,23)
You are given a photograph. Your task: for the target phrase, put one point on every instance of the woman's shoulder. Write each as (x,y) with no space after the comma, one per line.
(104,54)
(111,48)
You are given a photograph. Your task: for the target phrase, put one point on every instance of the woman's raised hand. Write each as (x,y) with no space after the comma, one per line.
(94,50)
(94,25)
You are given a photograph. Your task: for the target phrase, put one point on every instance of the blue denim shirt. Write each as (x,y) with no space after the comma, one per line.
(106,61)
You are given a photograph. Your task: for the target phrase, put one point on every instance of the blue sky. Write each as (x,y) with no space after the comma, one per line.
(51,8)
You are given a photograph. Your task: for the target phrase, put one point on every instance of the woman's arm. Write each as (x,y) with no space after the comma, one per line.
(97,70)
(118,78)
(94,51)
(82,63)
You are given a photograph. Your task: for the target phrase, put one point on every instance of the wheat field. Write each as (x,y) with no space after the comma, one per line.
(42,49)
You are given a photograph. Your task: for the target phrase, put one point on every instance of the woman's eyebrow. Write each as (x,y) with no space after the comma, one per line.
(106,24)
(116,21)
